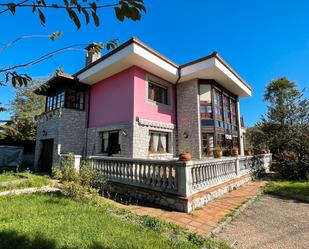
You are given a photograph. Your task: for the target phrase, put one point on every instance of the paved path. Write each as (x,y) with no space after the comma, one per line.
(271,222)
(204,220)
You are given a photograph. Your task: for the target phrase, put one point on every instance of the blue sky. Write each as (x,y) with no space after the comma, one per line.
(262,40)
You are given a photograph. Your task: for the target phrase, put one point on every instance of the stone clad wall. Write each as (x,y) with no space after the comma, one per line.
(49,123)
(66,127)
(141,138)
(94,141)
(188,116)
(72,130)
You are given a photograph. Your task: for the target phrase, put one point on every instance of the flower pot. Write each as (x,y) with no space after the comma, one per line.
(217,153)
(234,152)
(256,151)
(248,152)
(185,156)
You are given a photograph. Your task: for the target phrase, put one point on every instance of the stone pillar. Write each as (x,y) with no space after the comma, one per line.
(76,160)
(240,136)
(188,118)
(184,178)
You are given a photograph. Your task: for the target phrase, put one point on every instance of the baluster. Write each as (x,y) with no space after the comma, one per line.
(170,177)
(148,173)
(136,178)
(164,177)
(153,175)
(213,174)
(144,173)
(159,177)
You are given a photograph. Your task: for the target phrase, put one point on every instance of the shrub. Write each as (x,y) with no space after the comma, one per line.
(57,172)
(80,185)
(90,177)
(69,172)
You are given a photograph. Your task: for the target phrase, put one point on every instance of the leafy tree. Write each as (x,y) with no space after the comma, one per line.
(285,127)
(255,138)
(25,106)
(75,9)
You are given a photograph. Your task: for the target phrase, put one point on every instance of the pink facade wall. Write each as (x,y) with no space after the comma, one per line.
(123,97)
(147,110)
(111,100)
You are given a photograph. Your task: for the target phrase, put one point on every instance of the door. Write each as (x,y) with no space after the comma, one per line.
(46,158)
(113,143)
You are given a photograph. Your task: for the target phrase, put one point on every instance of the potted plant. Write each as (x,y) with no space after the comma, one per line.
(217,152)
(186,156)
(248,152)
(256,151)
(234,152)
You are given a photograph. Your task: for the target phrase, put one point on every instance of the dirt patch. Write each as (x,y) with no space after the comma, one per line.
(271,222)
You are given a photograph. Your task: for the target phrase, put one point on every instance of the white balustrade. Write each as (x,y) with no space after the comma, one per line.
(177,177)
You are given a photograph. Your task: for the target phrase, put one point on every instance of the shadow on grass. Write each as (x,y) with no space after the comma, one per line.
(14,240)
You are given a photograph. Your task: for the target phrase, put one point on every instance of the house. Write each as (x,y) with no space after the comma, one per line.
(135,103)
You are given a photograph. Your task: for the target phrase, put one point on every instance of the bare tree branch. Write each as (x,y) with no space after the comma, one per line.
(52,36)
(55,6)
(44,57)
(7,9)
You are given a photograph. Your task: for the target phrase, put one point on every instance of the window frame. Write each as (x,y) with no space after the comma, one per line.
(167,86)
(167,136)
(106,151)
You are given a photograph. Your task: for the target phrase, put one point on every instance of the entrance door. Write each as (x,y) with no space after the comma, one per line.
(113,143)
(46,158)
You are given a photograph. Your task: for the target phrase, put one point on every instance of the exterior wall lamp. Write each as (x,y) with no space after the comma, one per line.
(185,135)
(44,133)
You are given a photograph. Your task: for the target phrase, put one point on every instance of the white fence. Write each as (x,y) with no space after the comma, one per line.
(177,177)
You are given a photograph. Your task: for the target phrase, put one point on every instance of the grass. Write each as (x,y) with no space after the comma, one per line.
(297,190)
(33,180)
(52,221)
(8,176)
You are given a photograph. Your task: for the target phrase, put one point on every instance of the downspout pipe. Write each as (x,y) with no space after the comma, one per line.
(176,109)
(87,121)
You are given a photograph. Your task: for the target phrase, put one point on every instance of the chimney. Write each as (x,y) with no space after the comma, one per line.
(91,55)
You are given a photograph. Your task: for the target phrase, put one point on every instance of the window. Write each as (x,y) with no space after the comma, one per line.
(226,109)
(235,142)
(217,104)
(207,143)
(233,112)
(110,142)
(60,100)
(157,93)
(220,140)
(158,142)
(75,99)
(55,102)
(205,110)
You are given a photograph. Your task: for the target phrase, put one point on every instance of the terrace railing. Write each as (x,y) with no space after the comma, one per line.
(177,177)
(154,174)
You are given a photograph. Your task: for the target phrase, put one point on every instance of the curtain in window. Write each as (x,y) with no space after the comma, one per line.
(158,142)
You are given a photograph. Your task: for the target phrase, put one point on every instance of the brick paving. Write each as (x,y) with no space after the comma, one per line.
(203,220)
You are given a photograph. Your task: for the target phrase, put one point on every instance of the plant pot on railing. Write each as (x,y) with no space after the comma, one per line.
(248,152)
(185,156)
(256,151)
(217,152)
(234,152)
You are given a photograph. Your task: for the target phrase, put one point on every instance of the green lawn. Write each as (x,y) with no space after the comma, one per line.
(8,176)
(298,190)
(33,180)
(52,221)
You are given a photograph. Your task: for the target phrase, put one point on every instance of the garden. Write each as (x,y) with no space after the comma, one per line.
(76,216)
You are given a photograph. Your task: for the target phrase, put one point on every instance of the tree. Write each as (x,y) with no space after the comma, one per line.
(25,107)
(124,9)
(285,127)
